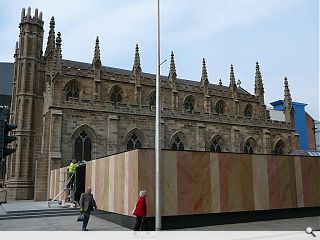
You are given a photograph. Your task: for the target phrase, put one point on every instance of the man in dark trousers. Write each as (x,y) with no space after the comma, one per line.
(87,203)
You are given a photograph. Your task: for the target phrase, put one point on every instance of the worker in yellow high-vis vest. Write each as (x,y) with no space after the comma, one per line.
(71,172)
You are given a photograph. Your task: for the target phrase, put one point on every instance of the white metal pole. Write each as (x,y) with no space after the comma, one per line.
(157,137)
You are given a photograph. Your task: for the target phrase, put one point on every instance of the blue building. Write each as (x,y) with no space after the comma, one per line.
(301,121)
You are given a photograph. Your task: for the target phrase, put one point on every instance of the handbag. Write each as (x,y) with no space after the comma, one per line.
(81,217)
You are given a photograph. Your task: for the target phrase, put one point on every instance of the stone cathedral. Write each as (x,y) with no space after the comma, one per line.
(66,110)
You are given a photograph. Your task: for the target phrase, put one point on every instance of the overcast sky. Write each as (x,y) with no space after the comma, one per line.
(282,35)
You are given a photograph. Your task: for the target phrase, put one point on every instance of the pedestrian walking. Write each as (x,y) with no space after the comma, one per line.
(140,211)
(87,204)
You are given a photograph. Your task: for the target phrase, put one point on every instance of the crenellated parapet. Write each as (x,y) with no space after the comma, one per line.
(26,17)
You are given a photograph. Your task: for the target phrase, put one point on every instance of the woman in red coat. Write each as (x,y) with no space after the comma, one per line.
(140,211)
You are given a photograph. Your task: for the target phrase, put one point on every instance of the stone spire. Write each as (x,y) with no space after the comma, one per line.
(233,85)
(96,58)
(287,102)
(96,67)
(172,71)
(258,87)
(204,75)
(287,95)
(137,65)
(136,69)
(57,58)
(204,78)
(233,91)
(51,38)
(173,80)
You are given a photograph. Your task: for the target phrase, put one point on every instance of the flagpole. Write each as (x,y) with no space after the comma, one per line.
(157,137)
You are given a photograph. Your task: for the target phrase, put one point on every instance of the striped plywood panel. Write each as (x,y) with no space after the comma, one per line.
(57,178)
(203,182)
(114,182)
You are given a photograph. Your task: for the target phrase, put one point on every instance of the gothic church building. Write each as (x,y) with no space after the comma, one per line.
(66,109)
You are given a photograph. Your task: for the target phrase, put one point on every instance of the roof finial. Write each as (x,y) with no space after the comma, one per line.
(220,82)
(136,64)
(239,83)
(96,57)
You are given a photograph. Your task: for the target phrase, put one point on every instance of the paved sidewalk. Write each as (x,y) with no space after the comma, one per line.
(63,223)
(24,205)
(56,223)
(69,223)
(293,224)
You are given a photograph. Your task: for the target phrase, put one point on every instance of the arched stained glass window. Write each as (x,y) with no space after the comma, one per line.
(177,144)
(82,147)
(215,146)
(134,142)
(72,91)
(152,99)
(248,111)
(116,95)
(279,148)
(189,104)
(248,148)
(220,107)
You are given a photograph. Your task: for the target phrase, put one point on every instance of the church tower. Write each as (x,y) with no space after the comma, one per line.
(27,107)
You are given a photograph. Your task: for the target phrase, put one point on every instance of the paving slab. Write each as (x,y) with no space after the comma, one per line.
(292,224)
(25,205)
(69,223)
(61,223)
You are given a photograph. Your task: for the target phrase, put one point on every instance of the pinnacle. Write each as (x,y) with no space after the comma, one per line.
(258,87)
(96,57)
(172,71)
(172,63)
(52,22)
(232,78)
(58,40)
(136,64)
(287,95)
(232,73)
(204,70)
(257,66)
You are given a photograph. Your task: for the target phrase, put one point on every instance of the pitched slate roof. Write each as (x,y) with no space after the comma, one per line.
(82,65)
